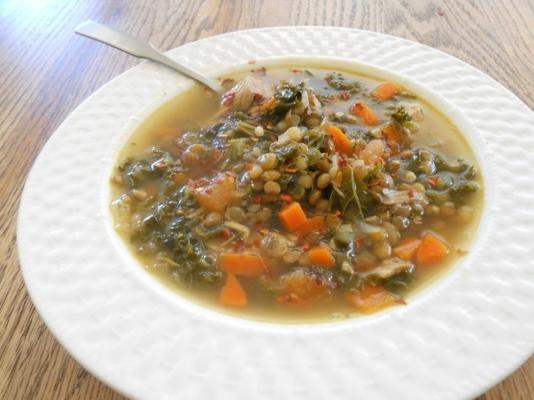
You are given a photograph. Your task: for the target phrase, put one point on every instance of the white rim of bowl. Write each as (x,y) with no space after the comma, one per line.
(429,96)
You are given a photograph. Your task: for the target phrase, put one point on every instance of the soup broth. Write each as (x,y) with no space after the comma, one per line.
(308,195)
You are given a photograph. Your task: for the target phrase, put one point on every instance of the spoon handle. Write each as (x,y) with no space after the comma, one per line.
(140,49)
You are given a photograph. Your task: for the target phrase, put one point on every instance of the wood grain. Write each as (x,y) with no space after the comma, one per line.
(46,71)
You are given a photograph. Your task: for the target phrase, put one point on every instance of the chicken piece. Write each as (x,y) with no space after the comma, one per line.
(389,267)
(243,95)
(414,110)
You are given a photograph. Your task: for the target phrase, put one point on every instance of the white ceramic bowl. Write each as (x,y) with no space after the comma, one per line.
(454,339)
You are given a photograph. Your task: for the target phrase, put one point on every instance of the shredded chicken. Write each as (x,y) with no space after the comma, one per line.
(239,228)
(389,267)
(391,196)
(245,92)
(414,110)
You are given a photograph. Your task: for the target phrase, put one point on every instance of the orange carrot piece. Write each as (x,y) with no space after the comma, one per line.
(316,224)
(431,250)
(372,298)
(341,142)
(365,112)
(391,133)
(232,294)
(216,196)
(385,91)
(250,265)
(322,256)
(292,216)
(406,248)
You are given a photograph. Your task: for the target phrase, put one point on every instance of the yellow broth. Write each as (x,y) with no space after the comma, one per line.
(197,108)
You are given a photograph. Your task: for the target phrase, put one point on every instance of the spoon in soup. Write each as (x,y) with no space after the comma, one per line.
(140,49)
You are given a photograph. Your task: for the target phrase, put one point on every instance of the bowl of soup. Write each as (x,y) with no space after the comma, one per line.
(350,219)
(306,193)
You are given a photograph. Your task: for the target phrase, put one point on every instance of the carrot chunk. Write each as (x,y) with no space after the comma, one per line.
(372,298)
(313,224)
(406,248)
(385,91)
(292,216)
(217,195)
(391,133)
(365,112)
(431,250)
(322,256)
(250,265)
(232,294)
(341,142)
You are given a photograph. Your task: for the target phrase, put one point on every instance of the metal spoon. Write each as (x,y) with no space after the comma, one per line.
(140,49)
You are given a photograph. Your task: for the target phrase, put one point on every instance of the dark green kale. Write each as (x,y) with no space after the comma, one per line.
(286,95)
(169,232)
(337,81)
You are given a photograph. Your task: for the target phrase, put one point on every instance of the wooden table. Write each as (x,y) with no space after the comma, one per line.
(46,71)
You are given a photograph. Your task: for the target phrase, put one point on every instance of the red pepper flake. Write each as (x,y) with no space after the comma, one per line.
(358,242)
(440,12)
(257,97)
(342,162)
(286,198)
(228,98)
(305,246)
(432,180)
(296,70)
(258,225)
(344,95)
(197,183)
(225,234)
(257,199)
(411,194)
(239,245)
